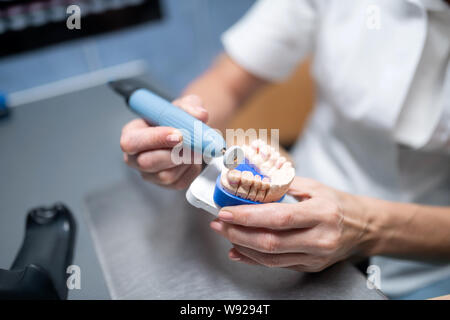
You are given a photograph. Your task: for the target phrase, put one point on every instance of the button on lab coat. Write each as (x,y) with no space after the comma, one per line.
(363,68)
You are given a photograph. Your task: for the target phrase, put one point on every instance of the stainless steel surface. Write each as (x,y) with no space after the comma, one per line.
(60,149)
(153,245)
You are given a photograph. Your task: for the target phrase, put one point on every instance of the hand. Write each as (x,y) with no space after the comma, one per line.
(148,149)
(326,226)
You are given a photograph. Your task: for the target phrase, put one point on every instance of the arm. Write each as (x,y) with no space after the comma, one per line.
(327,226)
(223,88)
(408,230)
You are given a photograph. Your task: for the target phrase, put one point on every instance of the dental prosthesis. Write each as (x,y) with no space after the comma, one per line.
(265,176)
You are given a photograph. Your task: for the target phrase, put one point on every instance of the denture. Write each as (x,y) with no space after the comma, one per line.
(275,174)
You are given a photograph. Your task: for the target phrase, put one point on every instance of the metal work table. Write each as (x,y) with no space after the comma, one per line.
(67,149)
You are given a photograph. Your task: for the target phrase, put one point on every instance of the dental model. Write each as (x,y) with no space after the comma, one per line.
(276,175)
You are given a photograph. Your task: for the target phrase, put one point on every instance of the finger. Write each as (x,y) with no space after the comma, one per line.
(152,161)
(188,176)
(193,105)
(130,160)
(150,138)
(135,124)
(263,240)
(301,268)
(303,188)
(166,177)
(275,260)
(276,216)
(234,255)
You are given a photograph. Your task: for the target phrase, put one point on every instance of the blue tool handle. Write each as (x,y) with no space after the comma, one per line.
(158,111)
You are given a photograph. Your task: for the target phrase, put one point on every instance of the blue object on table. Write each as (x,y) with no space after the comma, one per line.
(4,110)
(224,199)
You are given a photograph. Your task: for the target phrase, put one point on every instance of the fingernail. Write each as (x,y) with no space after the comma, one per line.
(200,109)
(225,216)
(194,102)
(233,256)
(196,109)
(216,225)
(174,137)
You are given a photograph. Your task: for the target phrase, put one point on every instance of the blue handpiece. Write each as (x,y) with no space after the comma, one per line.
(158,111)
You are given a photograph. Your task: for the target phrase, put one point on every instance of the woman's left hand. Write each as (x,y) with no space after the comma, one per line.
(324,227)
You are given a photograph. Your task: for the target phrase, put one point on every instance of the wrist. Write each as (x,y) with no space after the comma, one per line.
(371,216)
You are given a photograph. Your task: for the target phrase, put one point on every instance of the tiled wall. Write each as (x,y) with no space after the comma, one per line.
(177,48)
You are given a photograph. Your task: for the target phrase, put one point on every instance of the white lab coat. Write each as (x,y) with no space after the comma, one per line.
(363,72)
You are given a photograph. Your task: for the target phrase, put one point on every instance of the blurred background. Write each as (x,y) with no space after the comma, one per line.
(170,41)
(176,47)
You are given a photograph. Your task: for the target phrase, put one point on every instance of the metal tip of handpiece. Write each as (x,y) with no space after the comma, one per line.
(125,87)
(233,157)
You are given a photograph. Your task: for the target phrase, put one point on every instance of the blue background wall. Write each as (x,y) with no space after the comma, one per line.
(177,48)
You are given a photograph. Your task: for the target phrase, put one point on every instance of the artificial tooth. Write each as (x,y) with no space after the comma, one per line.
(265,183)
(271,171)
(248,151)
(257,160)
(234,177)
(256,145)
(265,152)
(252,194)
(245,185)
(283,176)
(224,179)
(274,193)
(280,161)
(281,180)
(287,164)
(274,156)
(265,167)
(255,188)
(261,194)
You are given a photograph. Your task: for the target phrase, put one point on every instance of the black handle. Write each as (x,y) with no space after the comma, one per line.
(39,270)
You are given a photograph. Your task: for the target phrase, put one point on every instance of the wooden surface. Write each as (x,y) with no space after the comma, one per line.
(284,106)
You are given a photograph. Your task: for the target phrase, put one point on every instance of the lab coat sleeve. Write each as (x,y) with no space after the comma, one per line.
(273,37)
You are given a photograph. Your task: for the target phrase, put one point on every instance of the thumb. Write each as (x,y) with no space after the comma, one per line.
(302,188)
(193,105)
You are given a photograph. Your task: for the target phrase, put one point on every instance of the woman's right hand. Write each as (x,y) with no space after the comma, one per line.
(148,149)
